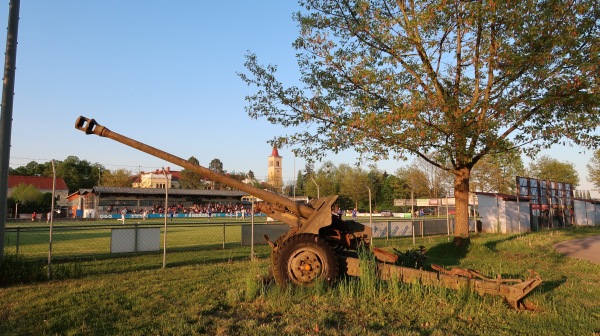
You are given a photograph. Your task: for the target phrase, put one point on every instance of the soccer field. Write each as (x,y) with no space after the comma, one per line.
(84,239)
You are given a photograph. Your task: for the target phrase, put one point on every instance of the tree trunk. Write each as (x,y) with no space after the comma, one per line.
(461,194)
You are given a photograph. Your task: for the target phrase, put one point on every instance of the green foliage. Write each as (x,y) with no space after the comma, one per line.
(497,172)
(216,165)
(190,179)
(78,174)
(414,258)
(354,183)
(594,169)
(386,193)
(33,169)
(26,194)
(393,79)
(300,183)
(547,168)
(117,178)
(29,199)
(416,183)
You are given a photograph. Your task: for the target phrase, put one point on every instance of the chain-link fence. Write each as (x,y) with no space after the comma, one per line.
(104,246)
(96,240)
(80,240)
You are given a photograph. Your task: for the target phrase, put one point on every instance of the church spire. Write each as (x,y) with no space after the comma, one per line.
(275,152)
(275,174)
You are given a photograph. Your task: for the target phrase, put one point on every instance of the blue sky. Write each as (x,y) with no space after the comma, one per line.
(161,72)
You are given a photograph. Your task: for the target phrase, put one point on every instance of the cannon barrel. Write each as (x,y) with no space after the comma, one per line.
(90,126)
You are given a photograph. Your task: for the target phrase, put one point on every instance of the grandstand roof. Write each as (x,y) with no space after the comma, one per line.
(161,191)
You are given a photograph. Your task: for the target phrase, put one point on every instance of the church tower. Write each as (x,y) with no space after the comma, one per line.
(275,174)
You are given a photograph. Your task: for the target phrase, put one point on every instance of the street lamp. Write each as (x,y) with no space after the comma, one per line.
(318,191)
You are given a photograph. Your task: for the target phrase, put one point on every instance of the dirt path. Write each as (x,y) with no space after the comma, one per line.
(585,248)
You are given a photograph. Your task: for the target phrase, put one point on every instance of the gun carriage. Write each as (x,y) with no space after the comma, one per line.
(320,245)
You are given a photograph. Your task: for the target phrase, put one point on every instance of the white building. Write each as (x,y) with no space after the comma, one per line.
(501,213)
(587,212)
(157,179)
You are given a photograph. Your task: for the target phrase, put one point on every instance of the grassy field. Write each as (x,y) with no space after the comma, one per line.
(93,238)
(81,239)
(221,292)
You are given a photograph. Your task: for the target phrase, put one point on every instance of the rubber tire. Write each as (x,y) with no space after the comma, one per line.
(303,259)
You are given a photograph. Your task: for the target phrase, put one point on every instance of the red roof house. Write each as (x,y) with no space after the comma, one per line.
(41,183)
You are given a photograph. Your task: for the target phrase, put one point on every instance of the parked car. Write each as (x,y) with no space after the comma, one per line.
(386,213)
(429,211)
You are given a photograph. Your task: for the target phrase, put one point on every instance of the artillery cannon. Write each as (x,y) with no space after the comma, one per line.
(302,255)
(319,243)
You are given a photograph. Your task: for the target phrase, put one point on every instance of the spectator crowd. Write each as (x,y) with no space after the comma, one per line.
(231,209)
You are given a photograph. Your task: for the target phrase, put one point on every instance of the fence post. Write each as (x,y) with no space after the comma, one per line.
(387,231)
(18,238)
(135,248)
(413,233)
(223,236)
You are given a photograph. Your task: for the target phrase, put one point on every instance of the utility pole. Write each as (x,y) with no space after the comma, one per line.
(8,91)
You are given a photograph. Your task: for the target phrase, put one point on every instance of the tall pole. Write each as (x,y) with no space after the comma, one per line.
(8,91)
(370,214)
(51,221)
(318,191)
(448,214)
(294,185)
(252,229)
(519,211)
(166,213)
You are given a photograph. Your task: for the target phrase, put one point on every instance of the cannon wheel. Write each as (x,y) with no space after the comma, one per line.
(304,258)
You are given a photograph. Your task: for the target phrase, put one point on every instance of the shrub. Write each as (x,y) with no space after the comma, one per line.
(18,270)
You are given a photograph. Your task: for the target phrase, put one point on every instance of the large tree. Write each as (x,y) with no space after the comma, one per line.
(497,173)
(78,174)
(217,166)
(26,194)
(354,184)
(417,183)
(32,169)
(118,178)
(594,169)
(547,168)
(190,179)
(462,79)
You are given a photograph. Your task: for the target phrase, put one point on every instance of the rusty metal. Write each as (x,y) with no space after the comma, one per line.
(457,279)
(320,243)
(314,218)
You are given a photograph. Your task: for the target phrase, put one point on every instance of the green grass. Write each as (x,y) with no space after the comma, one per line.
(221,292)
(92,238)
(82,239)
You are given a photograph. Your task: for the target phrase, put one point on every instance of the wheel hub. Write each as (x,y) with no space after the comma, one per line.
(304,266)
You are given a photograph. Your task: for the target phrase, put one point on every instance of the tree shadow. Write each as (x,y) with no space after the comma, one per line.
(548,286)
(121,263)
(491,245)
(447,254)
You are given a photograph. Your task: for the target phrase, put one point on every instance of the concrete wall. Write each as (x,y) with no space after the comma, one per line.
(587,213)
(499,215)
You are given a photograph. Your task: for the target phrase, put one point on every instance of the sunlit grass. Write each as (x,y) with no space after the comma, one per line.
(222,292)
